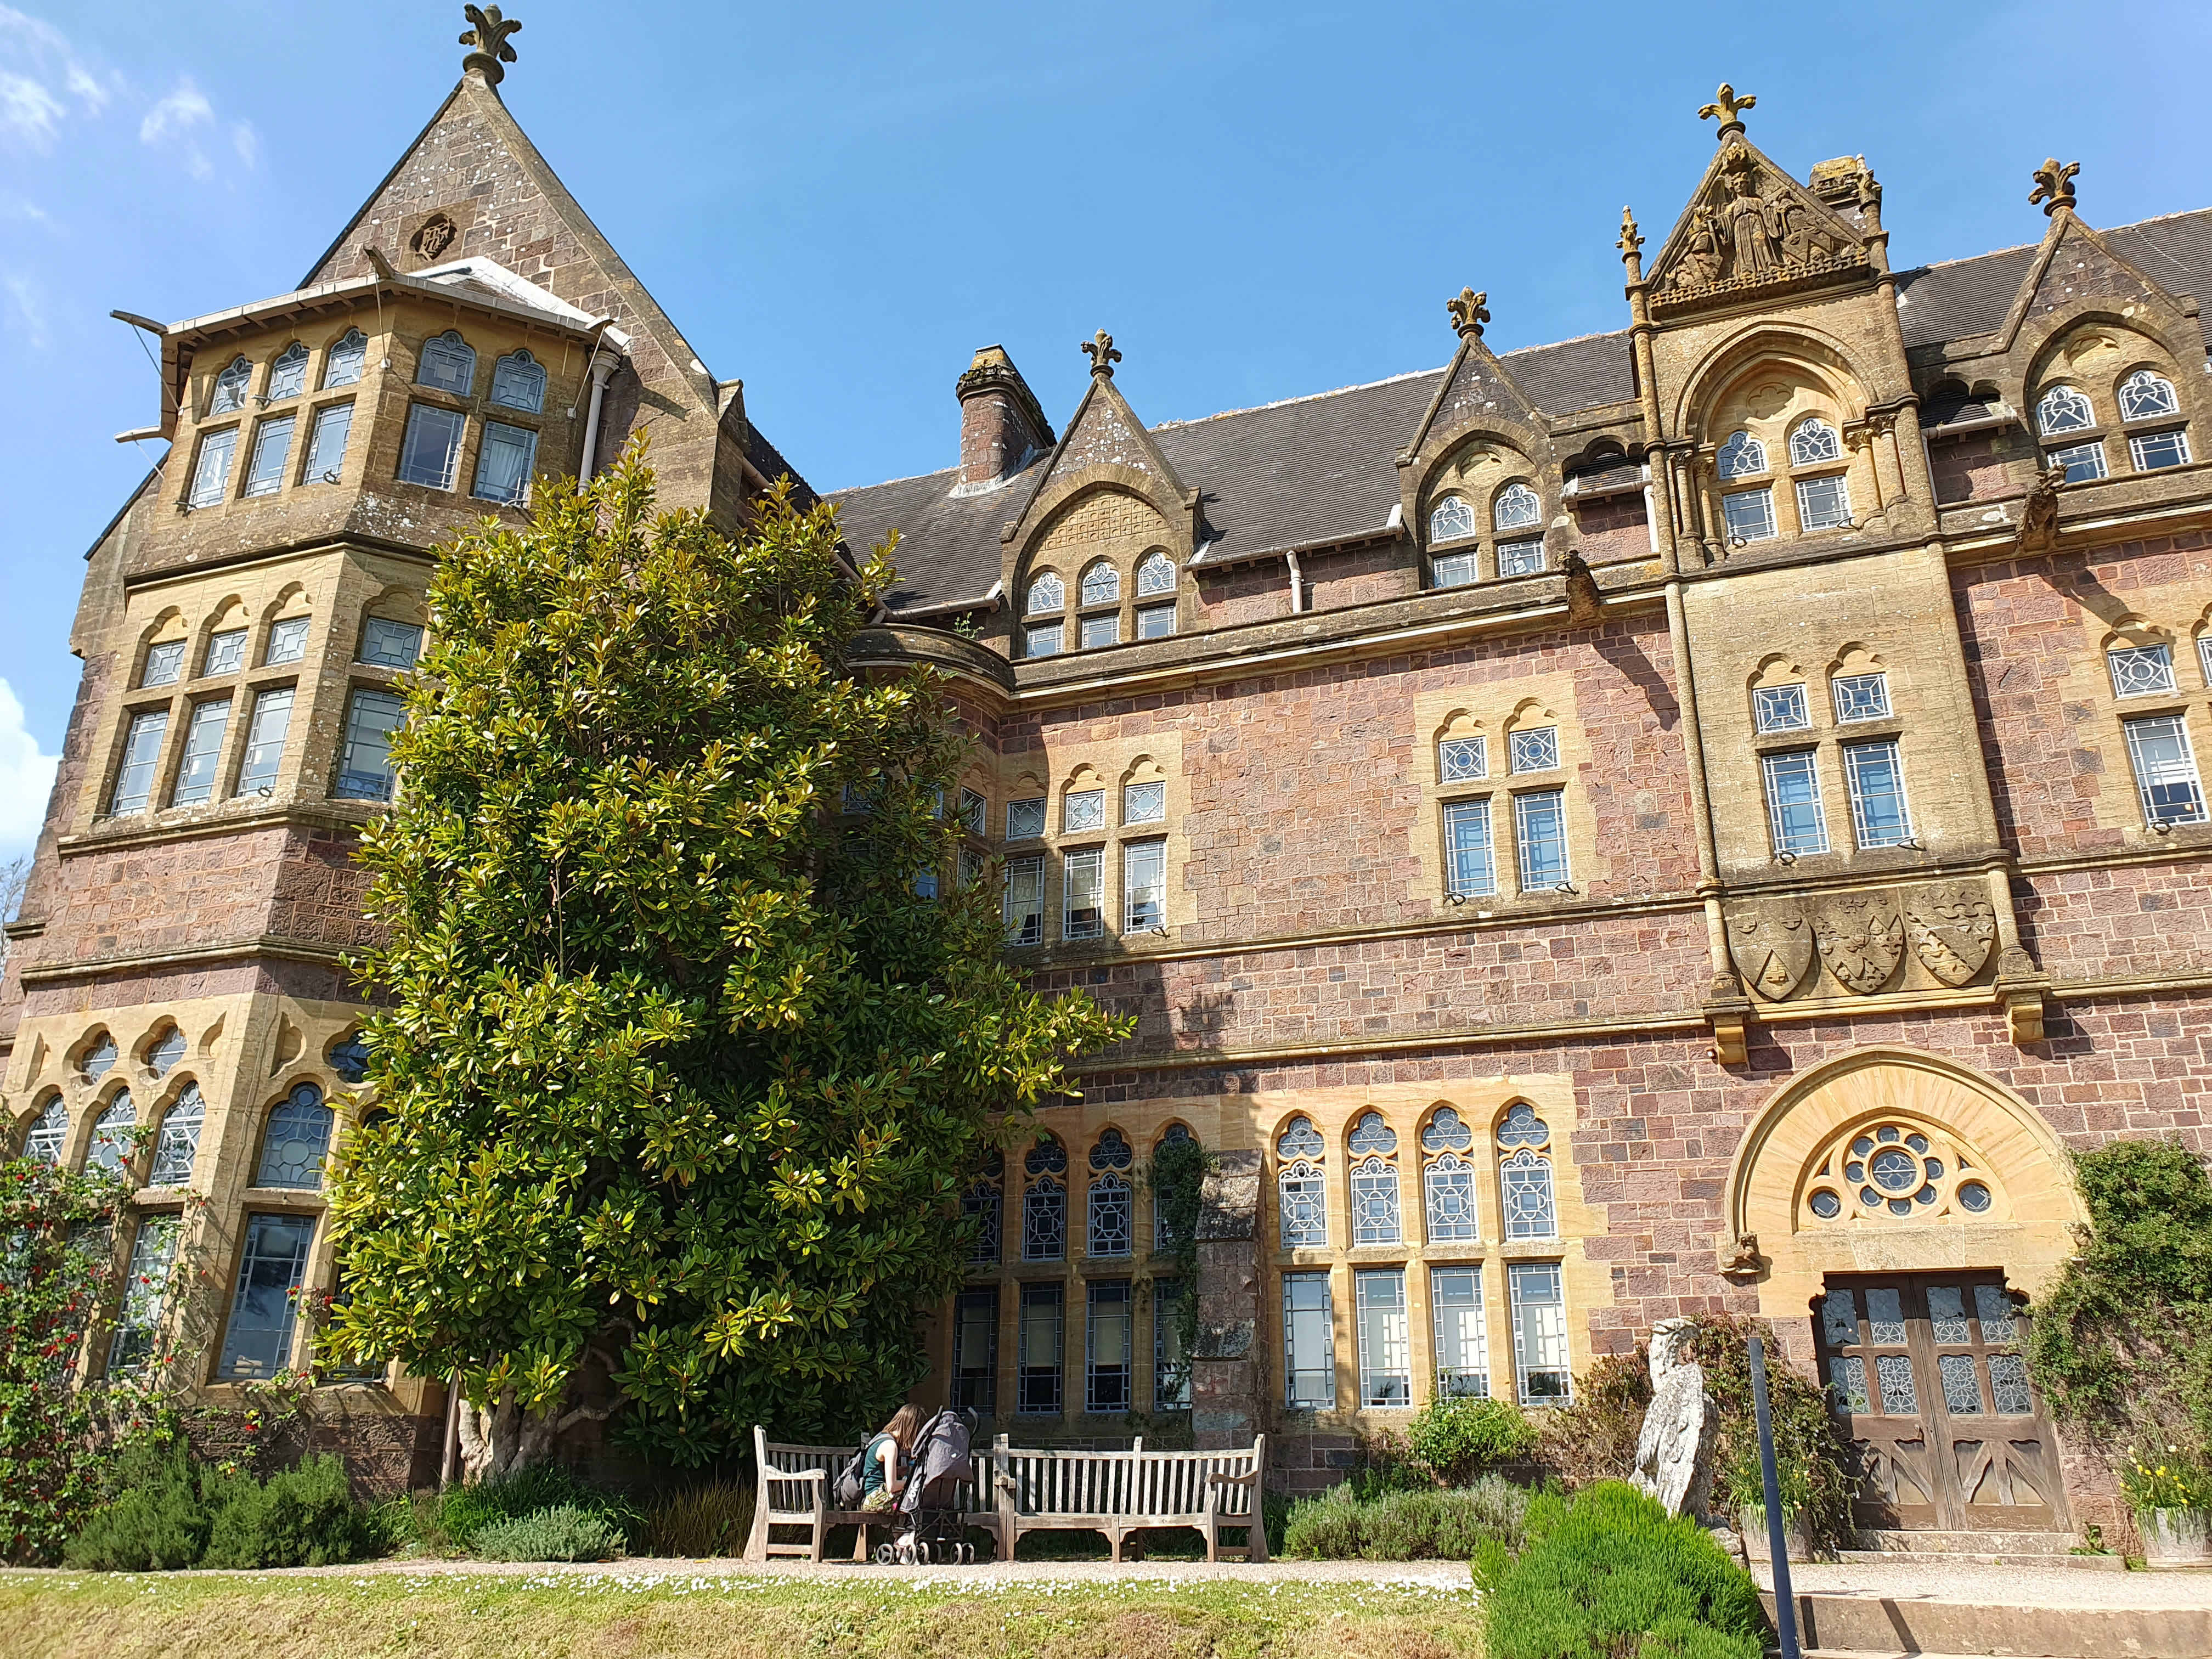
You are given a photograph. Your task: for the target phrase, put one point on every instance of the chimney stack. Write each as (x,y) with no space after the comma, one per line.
(1000,424)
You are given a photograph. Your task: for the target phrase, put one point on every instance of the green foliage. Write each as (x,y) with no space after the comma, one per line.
(1456,1438)
(1178,1178)
(1593,1437)
(2167,1480)
(711,1519)
(563,1534)
(464,1512)
(675,1066)
(1340,1525)
(1611,1576)
(2122,1346)
(166,1513)
(60,1436)
(1812,1465)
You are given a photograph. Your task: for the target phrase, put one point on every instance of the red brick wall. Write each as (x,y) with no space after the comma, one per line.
(1249,593)
(1612,528)
(1334,579)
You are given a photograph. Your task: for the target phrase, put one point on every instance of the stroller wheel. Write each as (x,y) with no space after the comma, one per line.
(924,1552)
(884,1555)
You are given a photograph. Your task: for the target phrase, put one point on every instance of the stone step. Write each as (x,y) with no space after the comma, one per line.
(2011,1545)
(2032,1557)
(1878,1625)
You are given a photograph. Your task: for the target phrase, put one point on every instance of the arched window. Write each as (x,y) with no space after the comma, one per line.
(344,365)
(2062,408)
(1741,456)
(1448,1179)
(448,363)
(1373,1145)
(179,1143)
(1163,1235)
(518,380)
(1301,1190)
(49,1133)
(167,1048)
(1524,1175)
(1156,574)
(2145,396)
(1047,593)
(98,1058)
(1102,583)
(984,1204)
(110,1130)
(230,388)
(1517,508)
(348,1058)
(1044,1202)
(1450,519)
(1815,440)
(1112,1229)
(293,1145)
(288,375)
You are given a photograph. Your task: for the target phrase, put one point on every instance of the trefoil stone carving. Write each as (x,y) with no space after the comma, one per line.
(1952,928)
(1772,944)
(1861,940)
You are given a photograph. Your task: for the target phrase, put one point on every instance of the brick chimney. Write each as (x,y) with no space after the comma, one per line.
(1000,424)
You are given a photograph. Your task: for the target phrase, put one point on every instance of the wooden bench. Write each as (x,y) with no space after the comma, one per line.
(1120,1492)
(797,1490)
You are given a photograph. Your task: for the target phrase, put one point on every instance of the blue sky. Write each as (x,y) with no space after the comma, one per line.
(840,203)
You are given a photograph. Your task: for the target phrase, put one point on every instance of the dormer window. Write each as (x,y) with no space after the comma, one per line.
(1741,456)
(2062,408)
(230,388)
(1517,508)
(1047,592)
(288,375)
(344,365)
(1156,574)
(1450,519)
(1814,440)
(2145,396)
(448,363)
(518,381)
(1102,584)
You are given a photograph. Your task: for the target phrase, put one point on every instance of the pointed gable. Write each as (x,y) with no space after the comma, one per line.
(1478,391)
(1105,447)
(2075,264)
(1751,228)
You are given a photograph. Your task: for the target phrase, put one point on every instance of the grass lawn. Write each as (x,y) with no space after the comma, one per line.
(609,1614)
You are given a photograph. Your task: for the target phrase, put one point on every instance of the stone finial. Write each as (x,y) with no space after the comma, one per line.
(2054,185)
(1102,354)
(486,32)
(1630,241)
(1729,107)
(1468,313)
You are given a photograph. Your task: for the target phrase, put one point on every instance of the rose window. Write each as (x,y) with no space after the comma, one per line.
(1895,1170)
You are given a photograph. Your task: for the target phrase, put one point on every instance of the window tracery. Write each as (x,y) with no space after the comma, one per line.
(1448,1179)
(111,1131)
(1516,508)
(448,363)
(1814,440)
(1112,1231)
(165,1050)
(1524,1174)
(2145,396)
(1102,583)
(1741,456)
(985,1203)
(1156,574)
(347,358)
(48,1134)
(287,375)
(293,1145)
(1302,1189)
(179,1143)
(2063,409)
(1895,1168)
(1044,1202)
(1047,593)
(1373,1145)
(518,381)
(1178,1134)
(230,388)
(1450,519)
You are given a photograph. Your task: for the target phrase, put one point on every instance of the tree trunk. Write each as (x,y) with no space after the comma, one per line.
(500,1438)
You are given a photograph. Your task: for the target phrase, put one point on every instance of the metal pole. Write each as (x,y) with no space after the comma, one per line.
(1777,1543)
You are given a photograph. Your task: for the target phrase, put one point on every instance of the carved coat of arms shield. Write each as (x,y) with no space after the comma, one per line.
(1861,938)
(1772,946)
(1952,927)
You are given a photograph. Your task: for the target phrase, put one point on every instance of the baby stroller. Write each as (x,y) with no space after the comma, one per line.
(930,1514)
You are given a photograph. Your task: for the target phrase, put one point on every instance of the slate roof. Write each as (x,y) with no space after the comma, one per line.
(1321,468)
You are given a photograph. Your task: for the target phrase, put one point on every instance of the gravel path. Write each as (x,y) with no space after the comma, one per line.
(1978,1583)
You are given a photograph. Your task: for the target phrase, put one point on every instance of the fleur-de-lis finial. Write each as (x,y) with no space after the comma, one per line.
(2054,185)
(1468,313)
(1729,108)
(1102,354)
(487,33)
(1630,241)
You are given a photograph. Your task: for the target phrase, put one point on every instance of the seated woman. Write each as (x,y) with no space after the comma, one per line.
(884,1465)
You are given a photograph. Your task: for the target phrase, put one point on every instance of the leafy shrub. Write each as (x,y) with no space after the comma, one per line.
(463,1511)
(1340,1525)
(1594,1438)
(564,1533)
(1610,1575)
(156,1522)
(712,1519)
(1814,1467)
(1457,1438)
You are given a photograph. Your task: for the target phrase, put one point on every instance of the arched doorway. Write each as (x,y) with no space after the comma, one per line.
(1905,1206)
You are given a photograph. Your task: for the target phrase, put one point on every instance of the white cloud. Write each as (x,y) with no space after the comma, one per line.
(31,308)
(40,57)
(27,778)
(186,107)
(246,141)
(27,110)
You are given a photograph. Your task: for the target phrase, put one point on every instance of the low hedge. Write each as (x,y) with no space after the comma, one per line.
(168,1513)
(1341,1525)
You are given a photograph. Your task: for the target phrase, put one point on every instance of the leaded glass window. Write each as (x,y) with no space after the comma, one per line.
(1102,583)
(2165,771)
(1516,508)
(202,745)
(1540,823)
(1100,631)
(99,1059)
(1144,885)
(1044,1202)
(264,741)
(226,653)
(1163,1235)
(1448,1179)
(1467,847)
(347,357)
(1156,574)
(1861,697)
(293,1145)
(1749,514)
(1024,901)
(1144,803)
(1525,1174)
(1112,1231)
(1047,592)
(1462,1348)
(287,642)
(1371,1134)
(2084,462)
(179,1143)
(1793,803)
(288,375)
(1301,1191)
(1876,778)
(110,1135)
(518,381)
(1450,519)
(1815,440)
(1539,1332)
(1171,1375)
(430,452)
(504,460)
(165,1051)
(448,363)
(145,1286)
(1024,819)
(48,1134)
(1741,456)
(1456,569)
(1308,1343)
(272,444)
(1375,1202)
(1108,1374)
(1781,708)
(1379,1305)
(1082,809)
(165,663)
(1461,760)
(2145,396)
(975,813)
(1520,558)
(1038,1364)
(1824,503)
(1536,748)
(387,643)
(2064,409)
(230,388)
(264,1312)
(1155,621)
(211,477)
(975,1350)
(2149,451)
(365,769)
(1083,894)
(1043,639)
(349,1059)
(984,1204)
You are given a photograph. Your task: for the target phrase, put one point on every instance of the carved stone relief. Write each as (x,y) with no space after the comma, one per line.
(1752,225)
(1771,945)
(1860,938)
(436,236)
(1952,927)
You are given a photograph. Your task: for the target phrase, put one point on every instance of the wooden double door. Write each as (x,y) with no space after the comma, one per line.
(1928,1375)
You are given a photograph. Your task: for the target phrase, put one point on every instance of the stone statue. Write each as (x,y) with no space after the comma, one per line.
(2038,513)
(1791,226)
(1674,1452)
(1754,249)
(1701,253)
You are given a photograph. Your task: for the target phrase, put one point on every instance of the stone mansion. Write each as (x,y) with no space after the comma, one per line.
(1698,817)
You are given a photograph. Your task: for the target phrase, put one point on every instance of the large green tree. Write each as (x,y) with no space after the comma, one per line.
(678,1078)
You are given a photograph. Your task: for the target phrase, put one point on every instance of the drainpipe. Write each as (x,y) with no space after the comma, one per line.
(452,1437)
(603,370)
(1297,583)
